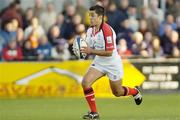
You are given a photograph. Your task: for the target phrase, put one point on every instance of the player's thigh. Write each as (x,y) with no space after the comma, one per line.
(116,87)
(115,77)
(91,76)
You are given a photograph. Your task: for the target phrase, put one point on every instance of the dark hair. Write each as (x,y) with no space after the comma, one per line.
(4,23)
(14,3)
(98,9)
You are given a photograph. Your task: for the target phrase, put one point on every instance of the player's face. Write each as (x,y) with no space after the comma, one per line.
(94,18)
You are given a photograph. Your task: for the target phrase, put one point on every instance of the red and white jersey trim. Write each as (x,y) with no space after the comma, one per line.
(104,39)
(108,37)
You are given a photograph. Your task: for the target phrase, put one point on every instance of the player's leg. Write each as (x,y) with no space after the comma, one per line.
(116,88)
(119,90)
(90,77)
(115,74)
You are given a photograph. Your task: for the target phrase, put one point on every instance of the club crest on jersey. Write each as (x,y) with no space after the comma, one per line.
(109,39)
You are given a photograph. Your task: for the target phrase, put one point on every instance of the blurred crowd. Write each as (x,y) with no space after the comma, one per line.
(41,33)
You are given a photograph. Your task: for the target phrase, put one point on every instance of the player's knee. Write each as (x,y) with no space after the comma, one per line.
(85,83)
(117,93)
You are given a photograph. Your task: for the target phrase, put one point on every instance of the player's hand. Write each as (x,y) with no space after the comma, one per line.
(86,50)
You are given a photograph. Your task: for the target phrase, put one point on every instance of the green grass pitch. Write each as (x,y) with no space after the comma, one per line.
(154,107)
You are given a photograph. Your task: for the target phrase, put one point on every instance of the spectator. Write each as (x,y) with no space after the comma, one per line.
(34,32)
(5,35)
(138,4)
(38,8)
(15,25)
(66,4)
(54,35)
(126,33)
(170,21)
(60,21)
(80,31)
(123,8)
(105,3)
(68,28)
(139,47)
(13,12)
(29,53)
(132,16)
(112,15)
(165,39)
(19,33)
(143,27)
(148,38)
(71,28)
(153,23)
(155,12)
(170,7)
(60,51)
(6,32)
(70,11)
(28,16)
(177,4)
(123,48)
(122,15)
(80,9)
(145,13)
(175,43)
(20,37)
(11,52)
(48,17)
(155,50)
(173,7)
(44,49)
(175,52)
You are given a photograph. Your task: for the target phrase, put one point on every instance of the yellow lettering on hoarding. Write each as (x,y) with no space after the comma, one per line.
(56,79)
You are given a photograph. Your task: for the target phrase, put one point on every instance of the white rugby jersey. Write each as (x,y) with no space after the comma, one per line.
(104,39)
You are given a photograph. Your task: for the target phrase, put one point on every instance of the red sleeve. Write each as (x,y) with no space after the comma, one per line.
(108,37)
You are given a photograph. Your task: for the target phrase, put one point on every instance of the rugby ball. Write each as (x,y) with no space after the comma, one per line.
(77,45)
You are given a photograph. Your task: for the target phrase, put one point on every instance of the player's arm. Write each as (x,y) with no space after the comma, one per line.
(89,50)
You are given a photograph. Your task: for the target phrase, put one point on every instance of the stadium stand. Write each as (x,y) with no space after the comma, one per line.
(41,33)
